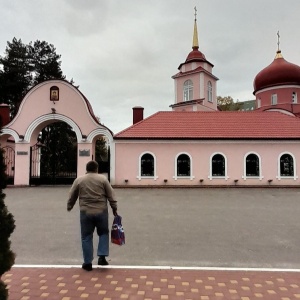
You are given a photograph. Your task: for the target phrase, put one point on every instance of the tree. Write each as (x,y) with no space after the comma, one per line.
(24,66)
(7,226)
(227,103)
(15,75)
(46,62)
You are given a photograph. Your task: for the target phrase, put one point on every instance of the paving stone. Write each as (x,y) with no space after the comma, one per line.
(114,284)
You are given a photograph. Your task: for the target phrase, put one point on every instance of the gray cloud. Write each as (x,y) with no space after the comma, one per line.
(123,53)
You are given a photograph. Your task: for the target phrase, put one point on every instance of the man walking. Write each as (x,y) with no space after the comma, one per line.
(93,191)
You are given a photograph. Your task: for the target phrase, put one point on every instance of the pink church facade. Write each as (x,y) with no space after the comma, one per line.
(195,144)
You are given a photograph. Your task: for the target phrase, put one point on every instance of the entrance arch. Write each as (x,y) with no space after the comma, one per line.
(40,108)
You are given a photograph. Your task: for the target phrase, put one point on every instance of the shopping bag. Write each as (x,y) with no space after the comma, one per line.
(117,231)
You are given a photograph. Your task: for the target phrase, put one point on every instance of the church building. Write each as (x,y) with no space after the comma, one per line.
(193,144)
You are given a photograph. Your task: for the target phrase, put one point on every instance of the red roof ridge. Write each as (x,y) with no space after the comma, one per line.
(215,125)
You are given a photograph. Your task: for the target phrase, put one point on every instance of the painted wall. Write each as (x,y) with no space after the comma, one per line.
(284,95)
(128,153)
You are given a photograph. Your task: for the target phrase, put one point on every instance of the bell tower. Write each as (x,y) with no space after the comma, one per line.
(195,85)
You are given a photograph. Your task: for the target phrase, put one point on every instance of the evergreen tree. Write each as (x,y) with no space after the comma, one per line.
(46,62)
(24,66)
(16,74)
(7,226)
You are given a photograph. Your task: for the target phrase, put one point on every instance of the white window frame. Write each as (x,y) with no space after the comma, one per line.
(188,88)
(279,177)
(226,177)
(140,177)
(245,177)
(274,99)
(258,103)
(191,177)
(209,92)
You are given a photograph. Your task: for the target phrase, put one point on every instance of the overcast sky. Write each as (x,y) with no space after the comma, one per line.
(123,53)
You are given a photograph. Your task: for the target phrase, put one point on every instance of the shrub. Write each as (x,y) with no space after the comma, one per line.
(7,226)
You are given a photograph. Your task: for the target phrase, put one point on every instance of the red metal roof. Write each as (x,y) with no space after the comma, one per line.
(279,72)
(214,125)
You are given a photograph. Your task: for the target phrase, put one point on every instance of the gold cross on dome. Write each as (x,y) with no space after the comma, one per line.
(278,39)
(195,14)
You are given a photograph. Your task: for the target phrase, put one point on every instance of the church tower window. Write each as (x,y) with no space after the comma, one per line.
(274,99)
(294,97)
(188,90)
(209,92)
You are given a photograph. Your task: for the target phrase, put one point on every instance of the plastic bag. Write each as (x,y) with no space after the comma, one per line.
(117,231)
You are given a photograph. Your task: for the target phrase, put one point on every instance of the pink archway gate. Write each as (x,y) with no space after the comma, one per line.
(46,103)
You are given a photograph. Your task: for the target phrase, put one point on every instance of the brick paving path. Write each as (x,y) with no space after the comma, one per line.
(107,283)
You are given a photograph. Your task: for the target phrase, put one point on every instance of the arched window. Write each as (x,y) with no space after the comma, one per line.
(188,90)
(294,97)
(252,165)
(218,165)
(286,165)
(147,165)
(183,165)
(209,92)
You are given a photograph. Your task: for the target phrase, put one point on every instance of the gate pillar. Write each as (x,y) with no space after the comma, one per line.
(22,163)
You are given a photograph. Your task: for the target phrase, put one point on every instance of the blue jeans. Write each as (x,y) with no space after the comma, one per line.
(88,223)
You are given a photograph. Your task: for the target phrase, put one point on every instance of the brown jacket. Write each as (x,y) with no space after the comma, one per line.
(93,191)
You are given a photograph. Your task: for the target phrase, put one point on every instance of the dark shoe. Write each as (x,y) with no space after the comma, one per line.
(87,267)
(102,261)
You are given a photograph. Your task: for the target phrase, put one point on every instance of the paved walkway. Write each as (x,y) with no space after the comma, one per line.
(114,283)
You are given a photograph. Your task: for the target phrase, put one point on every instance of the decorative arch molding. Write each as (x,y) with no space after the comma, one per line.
(53,117)
(53,82)
(279,177)
(191,177)
(226,177)
(100,131)
(260,177)
(139,177)
(11,132)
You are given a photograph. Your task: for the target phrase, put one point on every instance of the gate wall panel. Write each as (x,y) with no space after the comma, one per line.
(9,161)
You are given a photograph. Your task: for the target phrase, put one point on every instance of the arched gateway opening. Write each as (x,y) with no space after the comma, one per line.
(54,134)
(53,159)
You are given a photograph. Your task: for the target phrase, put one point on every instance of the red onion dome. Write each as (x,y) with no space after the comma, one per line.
(195,55)
(279,72)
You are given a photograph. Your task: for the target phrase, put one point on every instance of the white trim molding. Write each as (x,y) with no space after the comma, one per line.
(226,177)
(245,177)
(191,177)
(140,177)
(279,177)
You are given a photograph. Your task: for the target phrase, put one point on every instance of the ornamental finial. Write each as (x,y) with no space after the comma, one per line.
(195,37)
(278,53)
